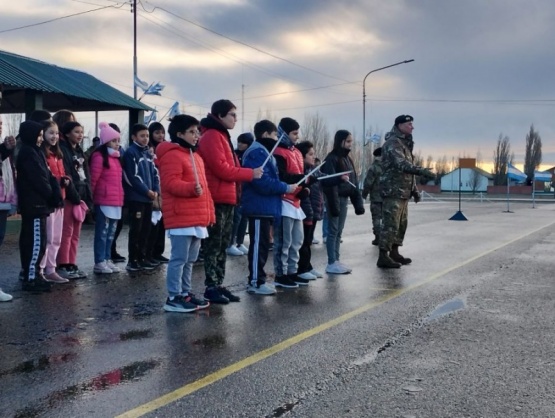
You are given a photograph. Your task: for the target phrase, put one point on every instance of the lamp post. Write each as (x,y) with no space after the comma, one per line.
(364,110)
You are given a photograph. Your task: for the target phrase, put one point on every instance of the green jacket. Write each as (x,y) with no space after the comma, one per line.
(372,181)
(397,179)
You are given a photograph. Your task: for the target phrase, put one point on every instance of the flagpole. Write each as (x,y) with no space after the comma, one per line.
(194,167)
(534,191)
(271,153)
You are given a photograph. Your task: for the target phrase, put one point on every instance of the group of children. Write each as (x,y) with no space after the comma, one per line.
(187,189)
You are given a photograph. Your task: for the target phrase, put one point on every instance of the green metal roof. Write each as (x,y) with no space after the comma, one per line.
(61,88)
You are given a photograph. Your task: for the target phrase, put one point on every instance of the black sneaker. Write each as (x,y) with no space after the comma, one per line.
(160,259)
(299,280)
(40,284)
(285,281)
(118,258)
(201,304)
(133,266)
(213,295)
(154,262)
(76,272)
(146,265)
(225,292)
(180,304)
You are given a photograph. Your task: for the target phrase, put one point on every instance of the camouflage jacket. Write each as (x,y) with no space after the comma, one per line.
(372,181)
(397,179)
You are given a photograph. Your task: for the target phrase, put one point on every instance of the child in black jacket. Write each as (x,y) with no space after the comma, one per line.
(39,193)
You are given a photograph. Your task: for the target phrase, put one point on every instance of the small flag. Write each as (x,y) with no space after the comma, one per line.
(514,173)
(174,110)
(155,89)
(151,117)
(140,83)
(375,139)
(542,176)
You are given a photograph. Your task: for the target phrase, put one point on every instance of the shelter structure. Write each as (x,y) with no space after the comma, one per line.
(27,84)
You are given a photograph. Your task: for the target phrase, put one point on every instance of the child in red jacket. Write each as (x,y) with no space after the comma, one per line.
(187,210)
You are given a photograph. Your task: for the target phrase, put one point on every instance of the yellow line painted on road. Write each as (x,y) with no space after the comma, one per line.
(261,355)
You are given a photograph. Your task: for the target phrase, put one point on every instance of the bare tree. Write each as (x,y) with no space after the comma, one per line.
(475,180)
(533,155)
(501,158)
(442,168)
(315,130)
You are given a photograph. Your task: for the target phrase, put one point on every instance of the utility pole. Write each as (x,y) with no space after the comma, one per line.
(134,11)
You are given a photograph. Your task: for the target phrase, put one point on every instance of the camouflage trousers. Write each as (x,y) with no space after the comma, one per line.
(376,211)
(394,222)
(215,246)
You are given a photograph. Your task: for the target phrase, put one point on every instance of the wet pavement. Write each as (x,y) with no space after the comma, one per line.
(466,330)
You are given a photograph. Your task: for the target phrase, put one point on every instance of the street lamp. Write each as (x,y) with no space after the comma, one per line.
(364,110)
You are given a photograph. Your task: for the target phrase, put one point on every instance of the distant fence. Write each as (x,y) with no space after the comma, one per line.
(518,189)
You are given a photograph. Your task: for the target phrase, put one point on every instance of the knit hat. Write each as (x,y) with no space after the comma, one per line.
(29,132)
(402,119)
(288,125)
(107,133)
(245,138)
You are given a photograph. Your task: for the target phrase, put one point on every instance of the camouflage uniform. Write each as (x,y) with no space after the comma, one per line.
(372,188)
(397,184)
(214,249)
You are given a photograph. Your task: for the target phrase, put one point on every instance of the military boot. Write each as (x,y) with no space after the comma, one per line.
(376,240)
(395,256)
(385,262)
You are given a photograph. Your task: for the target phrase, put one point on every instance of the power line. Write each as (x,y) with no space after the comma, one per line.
(243,43)
(61,18)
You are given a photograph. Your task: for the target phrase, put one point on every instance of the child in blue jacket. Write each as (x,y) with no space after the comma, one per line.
(261,203)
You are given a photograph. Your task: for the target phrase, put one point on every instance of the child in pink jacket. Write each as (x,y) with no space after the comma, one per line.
(107,190)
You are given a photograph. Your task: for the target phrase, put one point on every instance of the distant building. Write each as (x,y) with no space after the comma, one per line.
(474,180)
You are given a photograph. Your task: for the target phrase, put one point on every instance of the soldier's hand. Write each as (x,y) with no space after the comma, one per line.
(417,196)
(426,172)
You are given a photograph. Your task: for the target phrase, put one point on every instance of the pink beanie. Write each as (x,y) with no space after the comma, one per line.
(107,133)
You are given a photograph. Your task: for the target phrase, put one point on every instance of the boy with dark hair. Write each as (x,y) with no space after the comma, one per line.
(141,186)
(223,172)
(188,209)
(288,236)
(261,202)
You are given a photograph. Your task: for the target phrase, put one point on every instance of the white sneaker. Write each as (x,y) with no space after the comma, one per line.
(4,297)
(112,266)
(316,273)
(263,289)
(315,241)
(102,268)
(243,249)
(233,250)
(336,268)
(307,276)
(344,266)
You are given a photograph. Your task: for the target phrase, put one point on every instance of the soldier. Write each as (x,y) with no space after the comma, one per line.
(397,186)
(372,188)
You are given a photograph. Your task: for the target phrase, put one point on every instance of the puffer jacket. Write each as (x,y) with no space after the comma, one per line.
(140,174)
(106,183)
(397,179)
(182,208)
(76,166)
(262,197)
(223,171)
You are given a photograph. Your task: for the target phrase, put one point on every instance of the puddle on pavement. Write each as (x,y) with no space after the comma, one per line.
(132,372)
(278,412)
(448,307)
(41,363)
(135,334)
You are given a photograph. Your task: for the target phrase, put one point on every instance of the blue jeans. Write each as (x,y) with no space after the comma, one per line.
(104,230)
(325,228)
(184,252)
(335,229)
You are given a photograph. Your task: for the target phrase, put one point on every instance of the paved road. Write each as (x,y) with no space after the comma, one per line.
(465,331)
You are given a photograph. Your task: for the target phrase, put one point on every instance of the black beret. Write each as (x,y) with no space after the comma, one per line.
(402,119)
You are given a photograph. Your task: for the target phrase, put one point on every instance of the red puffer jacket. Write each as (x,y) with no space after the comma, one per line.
(56,166)
(181,207)
(222,166)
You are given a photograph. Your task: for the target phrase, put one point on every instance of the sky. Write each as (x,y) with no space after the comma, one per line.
(481,68)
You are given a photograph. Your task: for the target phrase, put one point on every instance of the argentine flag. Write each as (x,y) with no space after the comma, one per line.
(514,173)
(542,176)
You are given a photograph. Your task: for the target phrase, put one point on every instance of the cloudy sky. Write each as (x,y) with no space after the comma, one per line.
(481,68)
